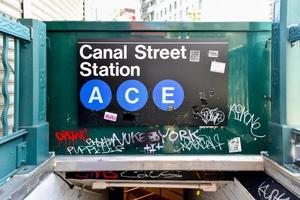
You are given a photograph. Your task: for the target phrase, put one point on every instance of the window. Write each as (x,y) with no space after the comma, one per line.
(165,11)
(200,4)
(175,5)
(170,8)
(180,15)
(161,13)
(152,16)
(175,17)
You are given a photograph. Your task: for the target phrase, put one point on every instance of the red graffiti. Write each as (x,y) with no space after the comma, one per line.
(72,135)
(97,175)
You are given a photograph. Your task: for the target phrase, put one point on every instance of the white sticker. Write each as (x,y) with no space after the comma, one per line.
(110,116)
(218,67)
(195,56)
(213,54)
(234,145)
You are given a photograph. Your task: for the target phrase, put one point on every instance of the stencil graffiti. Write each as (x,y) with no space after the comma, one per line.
(241,114)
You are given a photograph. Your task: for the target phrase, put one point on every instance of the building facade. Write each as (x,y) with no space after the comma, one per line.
(206,10)
(170,10)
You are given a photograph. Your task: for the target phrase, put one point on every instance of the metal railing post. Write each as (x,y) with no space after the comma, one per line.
(33,92)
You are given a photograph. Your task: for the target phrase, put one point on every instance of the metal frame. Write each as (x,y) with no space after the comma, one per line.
(203,185)
(285,79)
(289,179)
(134,162)
(294,33)
(12,145)
(28,142)
(21,184)
(14,29)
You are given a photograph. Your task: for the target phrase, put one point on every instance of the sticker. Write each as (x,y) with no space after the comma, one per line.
(218,67)
(195,56)
(234,145)
(213,54)
(110,116)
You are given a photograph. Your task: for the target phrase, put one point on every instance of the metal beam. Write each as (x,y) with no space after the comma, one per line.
(14,29)
(287,178)
(28,177)
(120,163)
(294,33)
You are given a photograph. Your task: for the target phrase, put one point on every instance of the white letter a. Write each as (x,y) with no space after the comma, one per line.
(96,95)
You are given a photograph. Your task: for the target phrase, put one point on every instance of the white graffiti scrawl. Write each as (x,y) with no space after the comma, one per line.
(181,140)
(241,114)
(215,116)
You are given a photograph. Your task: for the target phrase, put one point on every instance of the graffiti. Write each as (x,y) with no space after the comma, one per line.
(215,116)
(241,114)
(155,136)
(201,142)
(111,144)
(154,141)
(150,175)
(270,194)
(181,140)
(95,175)
(72,135)
(208,127)
(152,148)
(261,186)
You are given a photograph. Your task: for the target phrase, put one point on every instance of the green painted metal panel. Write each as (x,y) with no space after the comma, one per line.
(32,78)
(9,153)
(248,91)
(285,79)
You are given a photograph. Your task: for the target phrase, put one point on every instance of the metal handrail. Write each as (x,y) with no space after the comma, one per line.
(11,29)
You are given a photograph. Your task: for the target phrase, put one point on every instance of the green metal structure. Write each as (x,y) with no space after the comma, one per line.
(285,79)
(248,88)
(28,143)
(263,101)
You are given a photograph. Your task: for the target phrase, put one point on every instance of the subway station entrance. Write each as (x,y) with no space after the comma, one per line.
(118,110)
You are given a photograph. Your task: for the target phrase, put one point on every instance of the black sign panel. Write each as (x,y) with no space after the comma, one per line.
(149,82)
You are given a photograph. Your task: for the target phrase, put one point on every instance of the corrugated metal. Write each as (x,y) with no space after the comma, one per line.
(53,10)
(11,8)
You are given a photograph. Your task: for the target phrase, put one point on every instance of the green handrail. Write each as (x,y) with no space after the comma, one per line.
(16,31)
(4,85)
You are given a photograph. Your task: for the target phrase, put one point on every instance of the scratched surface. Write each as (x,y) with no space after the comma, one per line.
(248,87)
